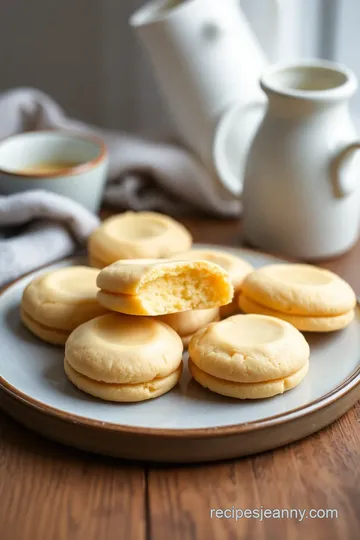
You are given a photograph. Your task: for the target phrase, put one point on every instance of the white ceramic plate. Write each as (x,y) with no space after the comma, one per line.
(32,376)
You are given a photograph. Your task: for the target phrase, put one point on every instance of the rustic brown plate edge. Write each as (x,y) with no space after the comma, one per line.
(340,391)
(328,399)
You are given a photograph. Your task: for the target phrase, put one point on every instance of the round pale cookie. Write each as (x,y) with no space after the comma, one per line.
(138,235)
(63,299)
(45,333)
(125,393)
(158,287)
(236,267)
(96,262)
(120,349)
(249,349)
(301,322)
(258,390)
(300,289)
(186,338)
(230,309)
(188,322)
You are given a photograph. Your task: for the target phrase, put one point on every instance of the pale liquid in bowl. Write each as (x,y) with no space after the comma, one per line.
(50,167)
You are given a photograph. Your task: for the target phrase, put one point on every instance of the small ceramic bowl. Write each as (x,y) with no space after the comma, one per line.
(65,163)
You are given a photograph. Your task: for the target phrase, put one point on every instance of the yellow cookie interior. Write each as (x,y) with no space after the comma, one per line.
(160,287)
(236,267)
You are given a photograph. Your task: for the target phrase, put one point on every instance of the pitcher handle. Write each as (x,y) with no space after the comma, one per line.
(231,171)
(340,177)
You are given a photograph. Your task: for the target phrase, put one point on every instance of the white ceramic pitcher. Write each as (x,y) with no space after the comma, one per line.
(205,57)
(302,185)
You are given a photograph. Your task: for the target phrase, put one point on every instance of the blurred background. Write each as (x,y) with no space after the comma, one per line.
(83,53)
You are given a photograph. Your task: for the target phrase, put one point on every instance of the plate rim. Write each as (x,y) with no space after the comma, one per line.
(317,405)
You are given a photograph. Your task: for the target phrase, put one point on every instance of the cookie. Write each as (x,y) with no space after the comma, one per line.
(96,263)
(123,392)
(301,322)
(236,267)
(299,289)
(55,303)
(249,349)
(186,323)
(230,309)
(258,390)
(45,333)
(122,358)
(137,235)
(159,287)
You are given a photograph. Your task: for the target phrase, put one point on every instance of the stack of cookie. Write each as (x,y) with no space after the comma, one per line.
(56,303)
(186,295)
(249,357)
(122,358)
(310,298)
(134,356)
(125,326)
(150,235)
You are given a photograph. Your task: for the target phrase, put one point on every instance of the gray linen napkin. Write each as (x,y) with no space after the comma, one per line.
(37,227)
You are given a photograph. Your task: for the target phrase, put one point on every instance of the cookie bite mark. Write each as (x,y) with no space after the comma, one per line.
(149,287)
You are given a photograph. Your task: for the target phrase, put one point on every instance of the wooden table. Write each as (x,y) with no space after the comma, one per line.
(49,492)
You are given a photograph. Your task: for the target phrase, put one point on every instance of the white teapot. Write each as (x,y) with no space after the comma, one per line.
(302,184)
(206,57)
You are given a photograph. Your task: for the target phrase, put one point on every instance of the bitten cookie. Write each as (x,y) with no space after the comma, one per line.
(137,235)
(236,267)
(123,358)
(55,303)
(159,287)
(249,356)
(310,298)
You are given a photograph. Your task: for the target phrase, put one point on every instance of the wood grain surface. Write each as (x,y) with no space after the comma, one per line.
(50,492)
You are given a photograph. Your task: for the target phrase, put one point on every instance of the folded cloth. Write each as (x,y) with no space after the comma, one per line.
(143,174)
(39,227)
